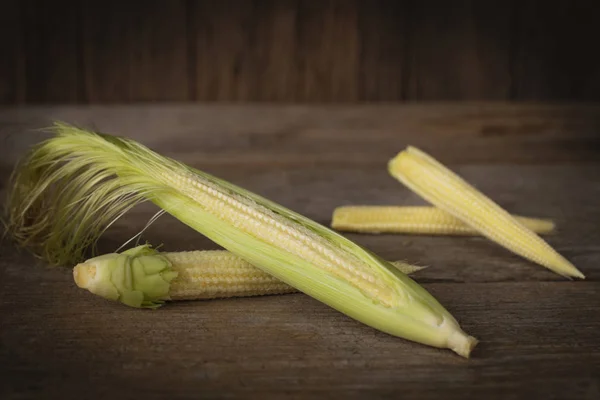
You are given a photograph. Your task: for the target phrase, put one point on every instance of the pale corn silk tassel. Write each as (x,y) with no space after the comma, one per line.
(415,220)
(444,189)
(75,184)
(191,275)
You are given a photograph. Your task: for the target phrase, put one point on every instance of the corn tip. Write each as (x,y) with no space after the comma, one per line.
(462,344)
(394,161)
(566,269)
(574,273)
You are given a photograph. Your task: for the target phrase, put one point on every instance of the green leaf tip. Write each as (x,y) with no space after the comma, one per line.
(139,277)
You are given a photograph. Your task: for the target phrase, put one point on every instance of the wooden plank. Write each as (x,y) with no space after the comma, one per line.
(276,51)
(276,48)
(554,58)
(365,135)
(538,340)
(245,51)
(328,51)
(139,55)
(226,56)
(52,44)
(11,62)
(383,32)
(459,50)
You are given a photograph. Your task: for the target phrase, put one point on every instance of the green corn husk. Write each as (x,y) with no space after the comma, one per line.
(72,186)
(139,277)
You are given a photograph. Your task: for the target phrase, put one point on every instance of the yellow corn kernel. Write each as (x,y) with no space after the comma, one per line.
(414,220)
(217,274)
(447,191)
(198,275)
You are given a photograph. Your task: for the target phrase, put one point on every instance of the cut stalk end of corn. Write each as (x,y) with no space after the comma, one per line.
(461,343)
(139,277)
(444,189)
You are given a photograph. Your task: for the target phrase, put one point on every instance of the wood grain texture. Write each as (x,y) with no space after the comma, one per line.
(11,62)
(459,50)
(52,45)
(383,30)
(309,51)
(539,340)
(276,45)
(328,51)
(366,135)
(539,333)
(554,56)
(227,56)
(135,52)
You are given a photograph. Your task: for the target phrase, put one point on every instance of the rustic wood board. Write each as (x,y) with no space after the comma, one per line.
(108,51)
(366,135)
(539,333)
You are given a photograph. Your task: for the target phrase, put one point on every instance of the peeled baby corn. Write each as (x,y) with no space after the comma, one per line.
(414,220)
(190,275)
(75,184)
(447,191)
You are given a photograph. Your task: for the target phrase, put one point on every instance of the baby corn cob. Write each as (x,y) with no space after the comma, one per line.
(447,191)
(218,273)
(208,274)
(75,184)
(414,220)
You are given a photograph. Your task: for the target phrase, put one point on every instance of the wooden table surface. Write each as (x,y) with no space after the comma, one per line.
(540,334)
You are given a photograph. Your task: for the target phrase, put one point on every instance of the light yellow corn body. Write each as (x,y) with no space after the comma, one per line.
(419,220)
(209,274)
(447,191)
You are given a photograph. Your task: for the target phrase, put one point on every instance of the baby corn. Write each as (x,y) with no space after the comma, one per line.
(447,191)
(414,220)
(75,184)
(197,275)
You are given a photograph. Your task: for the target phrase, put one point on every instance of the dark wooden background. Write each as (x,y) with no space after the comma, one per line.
(114,51)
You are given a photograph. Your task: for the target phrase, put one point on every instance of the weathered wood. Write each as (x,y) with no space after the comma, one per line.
(276,49)
(12,59)
(383,28)
(52,43)
(539,332)
(328,50)
(539,340)
(134,51)
(347,135)
(104,51)
(226,56)
(459,50)
(553,51)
